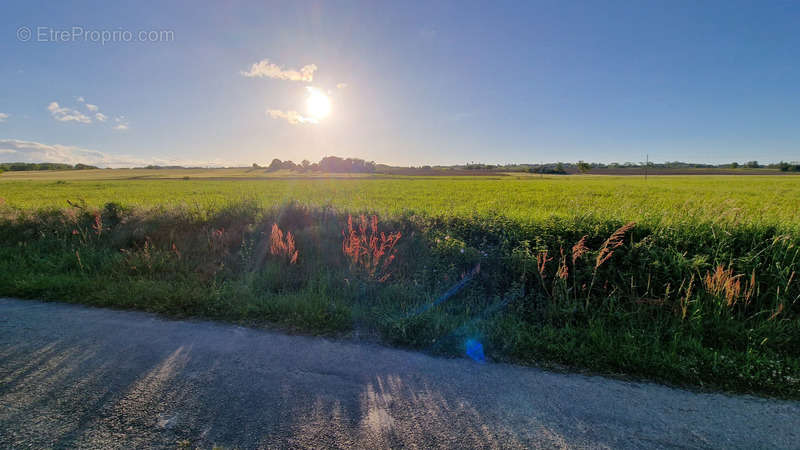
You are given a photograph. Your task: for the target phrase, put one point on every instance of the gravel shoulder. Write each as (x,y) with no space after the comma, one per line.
(72,376)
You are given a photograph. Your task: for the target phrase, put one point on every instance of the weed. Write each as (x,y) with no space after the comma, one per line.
(606,251)
(368,250)
(280,246)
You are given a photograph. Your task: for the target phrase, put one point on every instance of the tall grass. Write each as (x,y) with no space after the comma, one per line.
(703,302)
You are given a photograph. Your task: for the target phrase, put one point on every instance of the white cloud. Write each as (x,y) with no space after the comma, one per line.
(293,117)
(264,68)
(14,150)
(3,117)
(64,114)
(341,85)
(121,123)
(67,115)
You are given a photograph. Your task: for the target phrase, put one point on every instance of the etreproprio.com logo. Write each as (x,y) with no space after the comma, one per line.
(97,36)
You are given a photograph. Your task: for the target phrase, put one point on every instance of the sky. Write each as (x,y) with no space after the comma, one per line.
(407,83)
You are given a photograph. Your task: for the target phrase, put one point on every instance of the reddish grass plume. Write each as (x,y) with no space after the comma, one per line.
(282,246)
(367,249)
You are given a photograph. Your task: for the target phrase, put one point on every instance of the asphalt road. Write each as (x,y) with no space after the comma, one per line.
(72,376)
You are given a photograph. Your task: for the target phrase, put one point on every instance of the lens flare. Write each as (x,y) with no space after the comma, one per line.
(318,104)
(474,350)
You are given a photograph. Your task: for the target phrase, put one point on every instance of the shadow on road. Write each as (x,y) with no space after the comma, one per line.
(79,377)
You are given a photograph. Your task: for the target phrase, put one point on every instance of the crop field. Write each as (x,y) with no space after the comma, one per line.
(682,279)
(766,200)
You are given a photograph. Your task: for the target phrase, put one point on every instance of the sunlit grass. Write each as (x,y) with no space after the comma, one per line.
(660,200)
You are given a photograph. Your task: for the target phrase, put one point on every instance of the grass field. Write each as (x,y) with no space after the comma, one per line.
(768,200)
(698,288)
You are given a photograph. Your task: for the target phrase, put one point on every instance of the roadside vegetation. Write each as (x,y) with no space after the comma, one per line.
(688,281)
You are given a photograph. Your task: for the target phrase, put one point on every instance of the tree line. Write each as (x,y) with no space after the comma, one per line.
(327,164)
(20,166)
(335,164)
(583,167)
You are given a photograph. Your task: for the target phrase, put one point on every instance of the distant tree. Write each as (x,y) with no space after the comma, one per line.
(752,165)
(288,165)
(20,166)
(274,165)
(256,166)
(548,168)
(584,167)
(332,164)
(349,165)
(306,164)
(788,167)
(734,165)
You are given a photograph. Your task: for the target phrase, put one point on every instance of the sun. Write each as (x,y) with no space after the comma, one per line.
(318,104)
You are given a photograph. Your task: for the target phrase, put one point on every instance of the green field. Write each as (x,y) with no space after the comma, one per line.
(767,200)
(701,290)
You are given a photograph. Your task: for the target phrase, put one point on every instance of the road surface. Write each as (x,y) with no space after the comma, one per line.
(72,376)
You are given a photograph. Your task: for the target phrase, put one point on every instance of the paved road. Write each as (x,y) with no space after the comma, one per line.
(72,376)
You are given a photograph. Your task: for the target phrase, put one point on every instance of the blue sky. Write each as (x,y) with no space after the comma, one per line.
(426,83)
